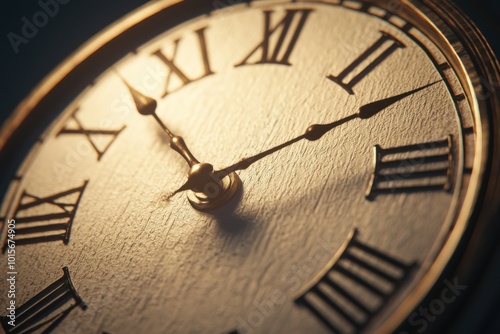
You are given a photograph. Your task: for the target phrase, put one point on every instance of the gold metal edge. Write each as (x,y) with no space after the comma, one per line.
(74,59)
(423,288)
(147,10)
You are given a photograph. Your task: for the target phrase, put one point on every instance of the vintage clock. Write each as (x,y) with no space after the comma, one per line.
(254,167)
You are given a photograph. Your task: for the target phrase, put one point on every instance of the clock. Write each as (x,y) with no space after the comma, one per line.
(254,167)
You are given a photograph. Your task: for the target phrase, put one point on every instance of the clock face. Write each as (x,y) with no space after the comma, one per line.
(326,228)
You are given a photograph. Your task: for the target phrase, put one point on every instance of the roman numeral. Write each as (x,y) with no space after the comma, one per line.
(411,168)
(99,139)
(45,311)
(180,74)
(367,62)
(354,286)
(46,219)
(279,52)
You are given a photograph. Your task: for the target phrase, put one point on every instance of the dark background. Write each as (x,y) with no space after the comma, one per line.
(78,20)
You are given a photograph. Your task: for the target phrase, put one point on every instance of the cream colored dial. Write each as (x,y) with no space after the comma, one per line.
(389,174)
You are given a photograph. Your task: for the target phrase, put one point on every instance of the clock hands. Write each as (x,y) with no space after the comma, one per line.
(316,131)
(371,109)
(146,106)
(209,190)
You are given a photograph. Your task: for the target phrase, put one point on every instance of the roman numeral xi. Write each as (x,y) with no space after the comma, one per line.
(354,286)
(175,70)
(46,219)
(45,311)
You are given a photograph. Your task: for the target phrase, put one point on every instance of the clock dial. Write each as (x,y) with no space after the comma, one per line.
(329,150)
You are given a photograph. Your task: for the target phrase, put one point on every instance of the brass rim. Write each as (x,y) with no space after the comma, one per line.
(445,15)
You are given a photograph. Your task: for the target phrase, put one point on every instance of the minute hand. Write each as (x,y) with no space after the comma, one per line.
(316,131)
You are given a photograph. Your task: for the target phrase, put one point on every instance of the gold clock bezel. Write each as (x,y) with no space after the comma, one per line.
(470,57)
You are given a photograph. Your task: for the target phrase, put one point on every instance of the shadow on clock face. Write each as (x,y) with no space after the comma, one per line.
(230,222)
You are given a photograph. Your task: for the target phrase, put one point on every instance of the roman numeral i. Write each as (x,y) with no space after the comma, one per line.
(367,62)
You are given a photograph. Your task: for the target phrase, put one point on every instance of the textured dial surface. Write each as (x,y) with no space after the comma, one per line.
(233,84)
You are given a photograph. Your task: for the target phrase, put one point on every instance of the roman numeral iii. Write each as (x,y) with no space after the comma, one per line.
(367,62)
(46,219)
(45,311)
(287,31)
(354,286)
(175,70)
(411,168)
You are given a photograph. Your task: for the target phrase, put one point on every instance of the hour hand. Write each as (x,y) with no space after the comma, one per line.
(208,191)
(146,106)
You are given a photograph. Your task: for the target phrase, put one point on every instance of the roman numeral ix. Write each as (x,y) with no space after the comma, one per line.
(46,219)
(278,51)
(175,70)
(45,311)
(411,168)
(354,286)
(367,62)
